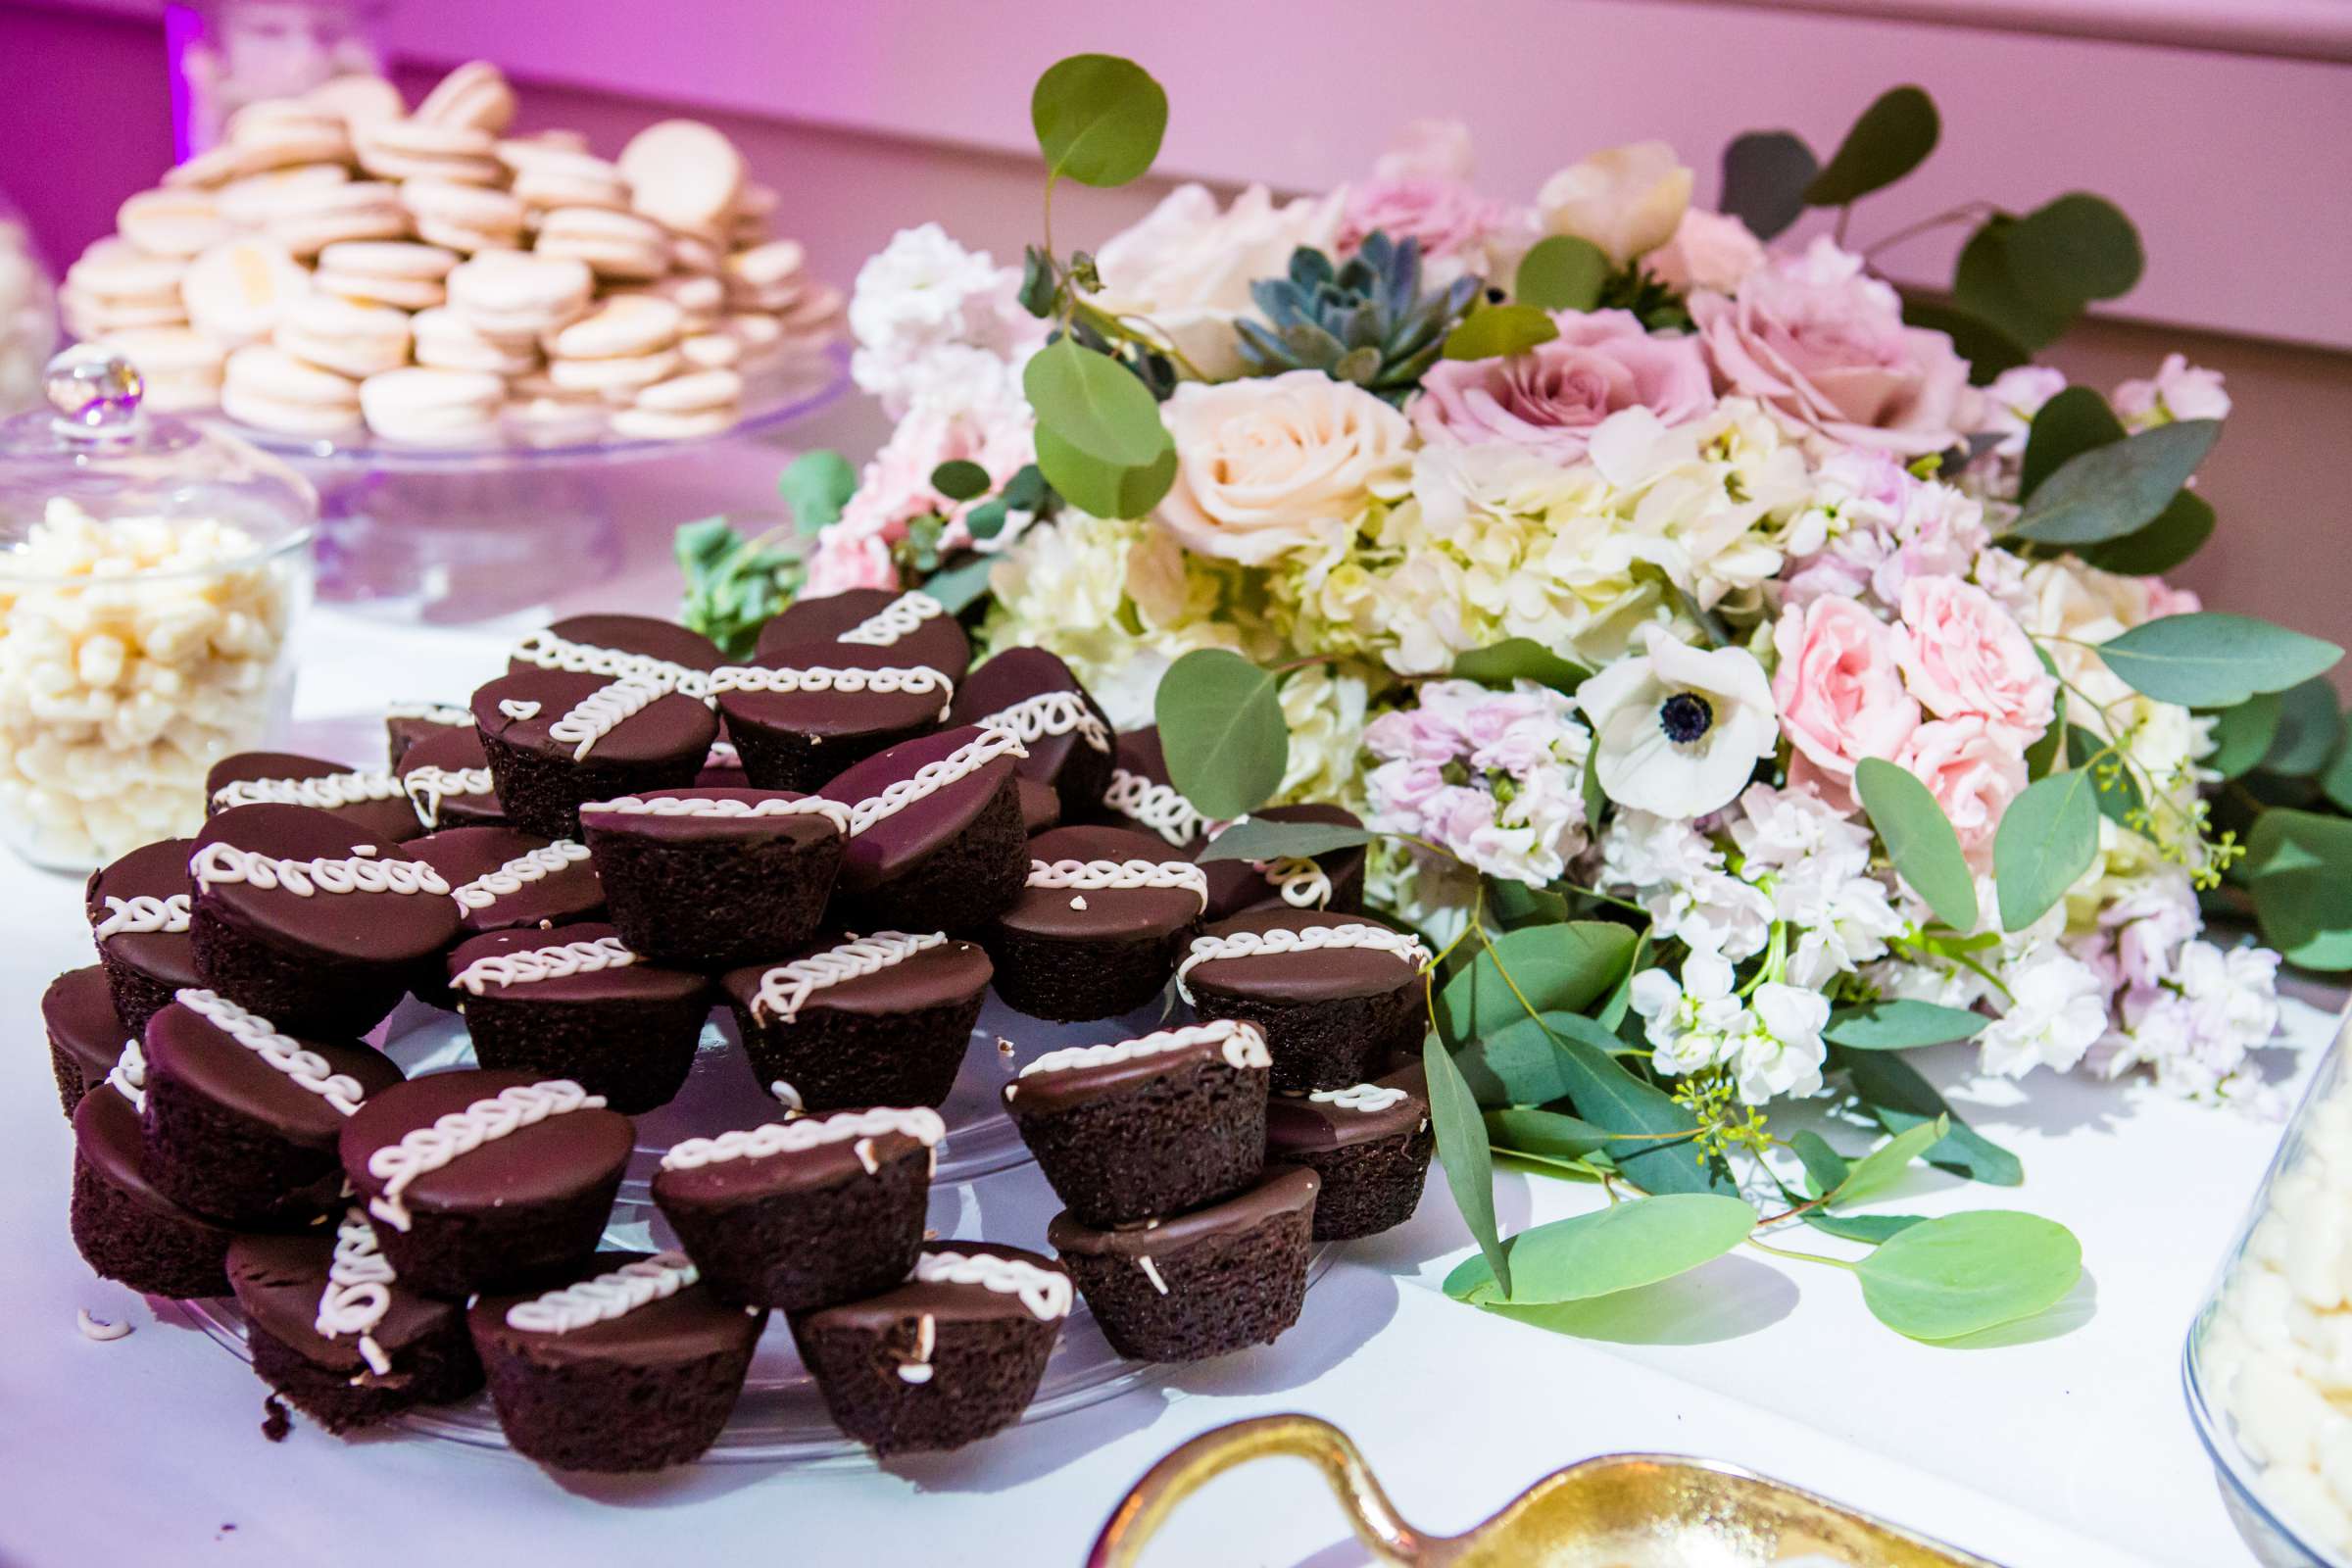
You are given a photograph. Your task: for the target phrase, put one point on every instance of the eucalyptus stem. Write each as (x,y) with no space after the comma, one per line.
(1954,215)
(1801,1257)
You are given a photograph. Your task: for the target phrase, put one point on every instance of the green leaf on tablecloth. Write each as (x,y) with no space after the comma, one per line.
(2310,729)
(2178,532)
(2111,491)
(1616,1248)
(2116,790)
(2075,249)
(2075,420)
(2243,734)
(1918,840)
(1544,1133)
(1765,173)
(1561,272)
(1520,659)
(2047,838)
(2299,867)
(1104,489)
(1256,838)
(1462,1150)
(1867,1227)
(1099,118)
(1222,731)
(1963,1273)
(1555,969)
(960,480)
(1879,1169)
(1893,136)
(1094,404)
(1499,331)
(1824,1168)
(1894,1092)
(816,485)
(2212,658)
(1900,1024)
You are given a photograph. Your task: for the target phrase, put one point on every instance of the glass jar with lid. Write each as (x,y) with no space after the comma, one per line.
(151,576)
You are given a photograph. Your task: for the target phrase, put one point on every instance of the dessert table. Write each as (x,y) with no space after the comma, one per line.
(2066,1443)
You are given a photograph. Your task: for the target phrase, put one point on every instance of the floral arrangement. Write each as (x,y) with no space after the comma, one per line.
(1744,673)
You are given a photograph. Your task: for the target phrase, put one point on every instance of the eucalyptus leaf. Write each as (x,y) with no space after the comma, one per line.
(1900,1098)
(2212,658)
(1870,1229)
(2299,868)
(1511,904)
(2243,734)
(2309,730)
(1523,1063)
(2075,420)
(1920,840)
(2111,491)
(2075,249)
(1879,1169)
(2335,781)
(1824,1168)
(1662,1159)
(1222,732)
(1963,1273)
(2047,838)
(1463,1151)
(1619,1248)
(1095,404)
(1893,136)
(1104,489)
(1612,1013)
(956,586)
(1555,969)
(1544,1133)
(1561,272)
(2042,755)
(960,480)
(1099,118)
(987,520)
(816,485)
(1499,331)
(1257,839)
(2116,793)
(1900,1024)
(2178,532)
(1038,282)
(1765,173)
(1983,286)
(1989,346)
(1520,659)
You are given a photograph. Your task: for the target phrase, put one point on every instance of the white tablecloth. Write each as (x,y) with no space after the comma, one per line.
(2071,1449)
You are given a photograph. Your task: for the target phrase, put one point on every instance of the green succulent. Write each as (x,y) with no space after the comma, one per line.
(1367,322)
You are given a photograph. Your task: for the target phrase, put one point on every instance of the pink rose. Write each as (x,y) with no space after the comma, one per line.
(1965,656)
(1710,249)
(1553,397)
(842,560)
(1447,218)
(1823,345)
(1972,770)
(1840,692)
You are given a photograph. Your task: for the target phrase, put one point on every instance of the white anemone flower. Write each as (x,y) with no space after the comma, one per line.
(1677,730)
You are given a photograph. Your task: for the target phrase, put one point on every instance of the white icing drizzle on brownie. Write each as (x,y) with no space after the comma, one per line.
(547,650)
(1240,1044)
(220,862)
(603,710)
(1301,883)
(290,1056)
(926,1340)
(607,1296)
(1099,874)
(143,914)
(454,715)
(1044,1291)
(358,1291)
(1161,807)
(559,962)
(805,1133)
(511,878)
(326,791)
(914,680)
(1033,718)
(785,989)
(424,1150)
(1314,939)
(1366,1098)
(900,618)
(519,708)
(1152,1273)
(429,786)
(932,777)
(832,811)
(128,1075)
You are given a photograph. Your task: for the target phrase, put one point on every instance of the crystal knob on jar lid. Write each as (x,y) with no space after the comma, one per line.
(95,389)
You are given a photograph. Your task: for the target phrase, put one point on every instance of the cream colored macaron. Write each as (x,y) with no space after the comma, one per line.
(619,378)
(427,405)
(692,393)
(447,341)
(549,177)
(172,223)
(251,202)
(462,217)
(238,292)
(278,132)
(711,351)
(619,245)
(684,174)
(114,271)
(270,388)
(653,424)
(179,367)
(621,325)
(407,259)
(308,221)
(351,339)
(514,291)
(412,149)
(359,100)
(475,95)
(213,167)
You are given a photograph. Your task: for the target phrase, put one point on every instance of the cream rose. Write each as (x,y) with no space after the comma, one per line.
(1186,267)
(1627,200)
(1264,465)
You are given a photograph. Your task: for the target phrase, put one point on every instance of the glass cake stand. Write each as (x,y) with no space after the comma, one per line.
(986,1187)
(464,533)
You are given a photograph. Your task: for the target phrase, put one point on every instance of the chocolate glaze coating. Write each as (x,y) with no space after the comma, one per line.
(1324,974)
(706,830)
(188,1053)
(939,642)
(1138,755)
(1236,886)
(1283,1190)
(1109,913)
(379,928)
(671,729)
(685,1326)
(391,819)
(548,1161)
(1073,765)
(159,871)
(935,977)
(404,730)
(86,1035)
(945,1302)
(1304,1125)
(1059,1088)
(918,830)
(647,635)
(836,716)
(629,982)
(799,1170)
(278,1280)
(125,1229)
(452,751)
(463,854)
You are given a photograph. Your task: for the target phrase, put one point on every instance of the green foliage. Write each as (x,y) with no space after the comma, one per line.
(1367,321)
(2309,731)
(2335,780)
(1257,839)
(1988,349)
(960,480)
(816,485)
(1884,1165)
(2075,420)
(1900,1024)
(1561,272)
(2115,790)
(1616,1248)
(1536,1134)
(1222,730)
(1893,136)
(2215,659)
(1894,1093)
(1944,1278)
(1099,118)
(1105,489)
(957,586)
(1920,840)
(1520,659)
(1462,1150)
(2111,491)
(1554,969)
(2178,532)
(2299,868)
(1765,173)
(2047,838)
(733,586)
(1499,331)
(1094,404)
(1657,1146)
(2075,249)
(2243,734)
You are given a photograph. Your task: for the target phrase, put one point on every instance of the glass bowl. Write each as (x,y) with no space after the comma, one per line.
(2264,1512)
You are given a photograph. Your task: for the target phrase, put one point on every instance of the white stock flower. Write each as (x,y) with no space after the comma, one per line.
(2057,1010)
(1780,1052)
(1187,266)
(1689,1020)
(1677,730)
(1626,200)
(921,293)
(1668,868)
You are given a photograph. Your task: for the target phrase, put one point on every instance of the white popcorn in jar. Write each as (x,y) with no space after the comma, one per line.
(134,653)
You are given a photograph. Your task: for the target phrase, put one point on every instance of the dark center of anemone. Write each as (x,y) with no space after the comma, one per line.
(1684,718)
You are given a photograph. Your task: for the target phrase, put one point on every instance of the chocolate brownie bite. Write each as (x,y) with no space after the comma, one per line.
(1140,795)
(1149,1126)
(1333,880)
(125,1229)
(140,909)
(85,1033)
(935,832)
(408,724)
(813,711)
(480,1180)
(1370,1142)
(338,1334)
(303,921)
(373,803)
(504,878)
(806,1212)
(875,1020)
(914,627)
(242,1120)
(1099,925)
(556,738)
(575,1003)
(626,1363)
(1335,995)
(952,1355)
(710,878)
(1033,694)
(1203,1284)
(639,648)
(447,777)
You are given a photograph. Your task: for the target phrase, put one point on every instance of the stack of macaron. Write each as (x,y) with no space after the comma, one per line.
(342,261)
(845,843)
